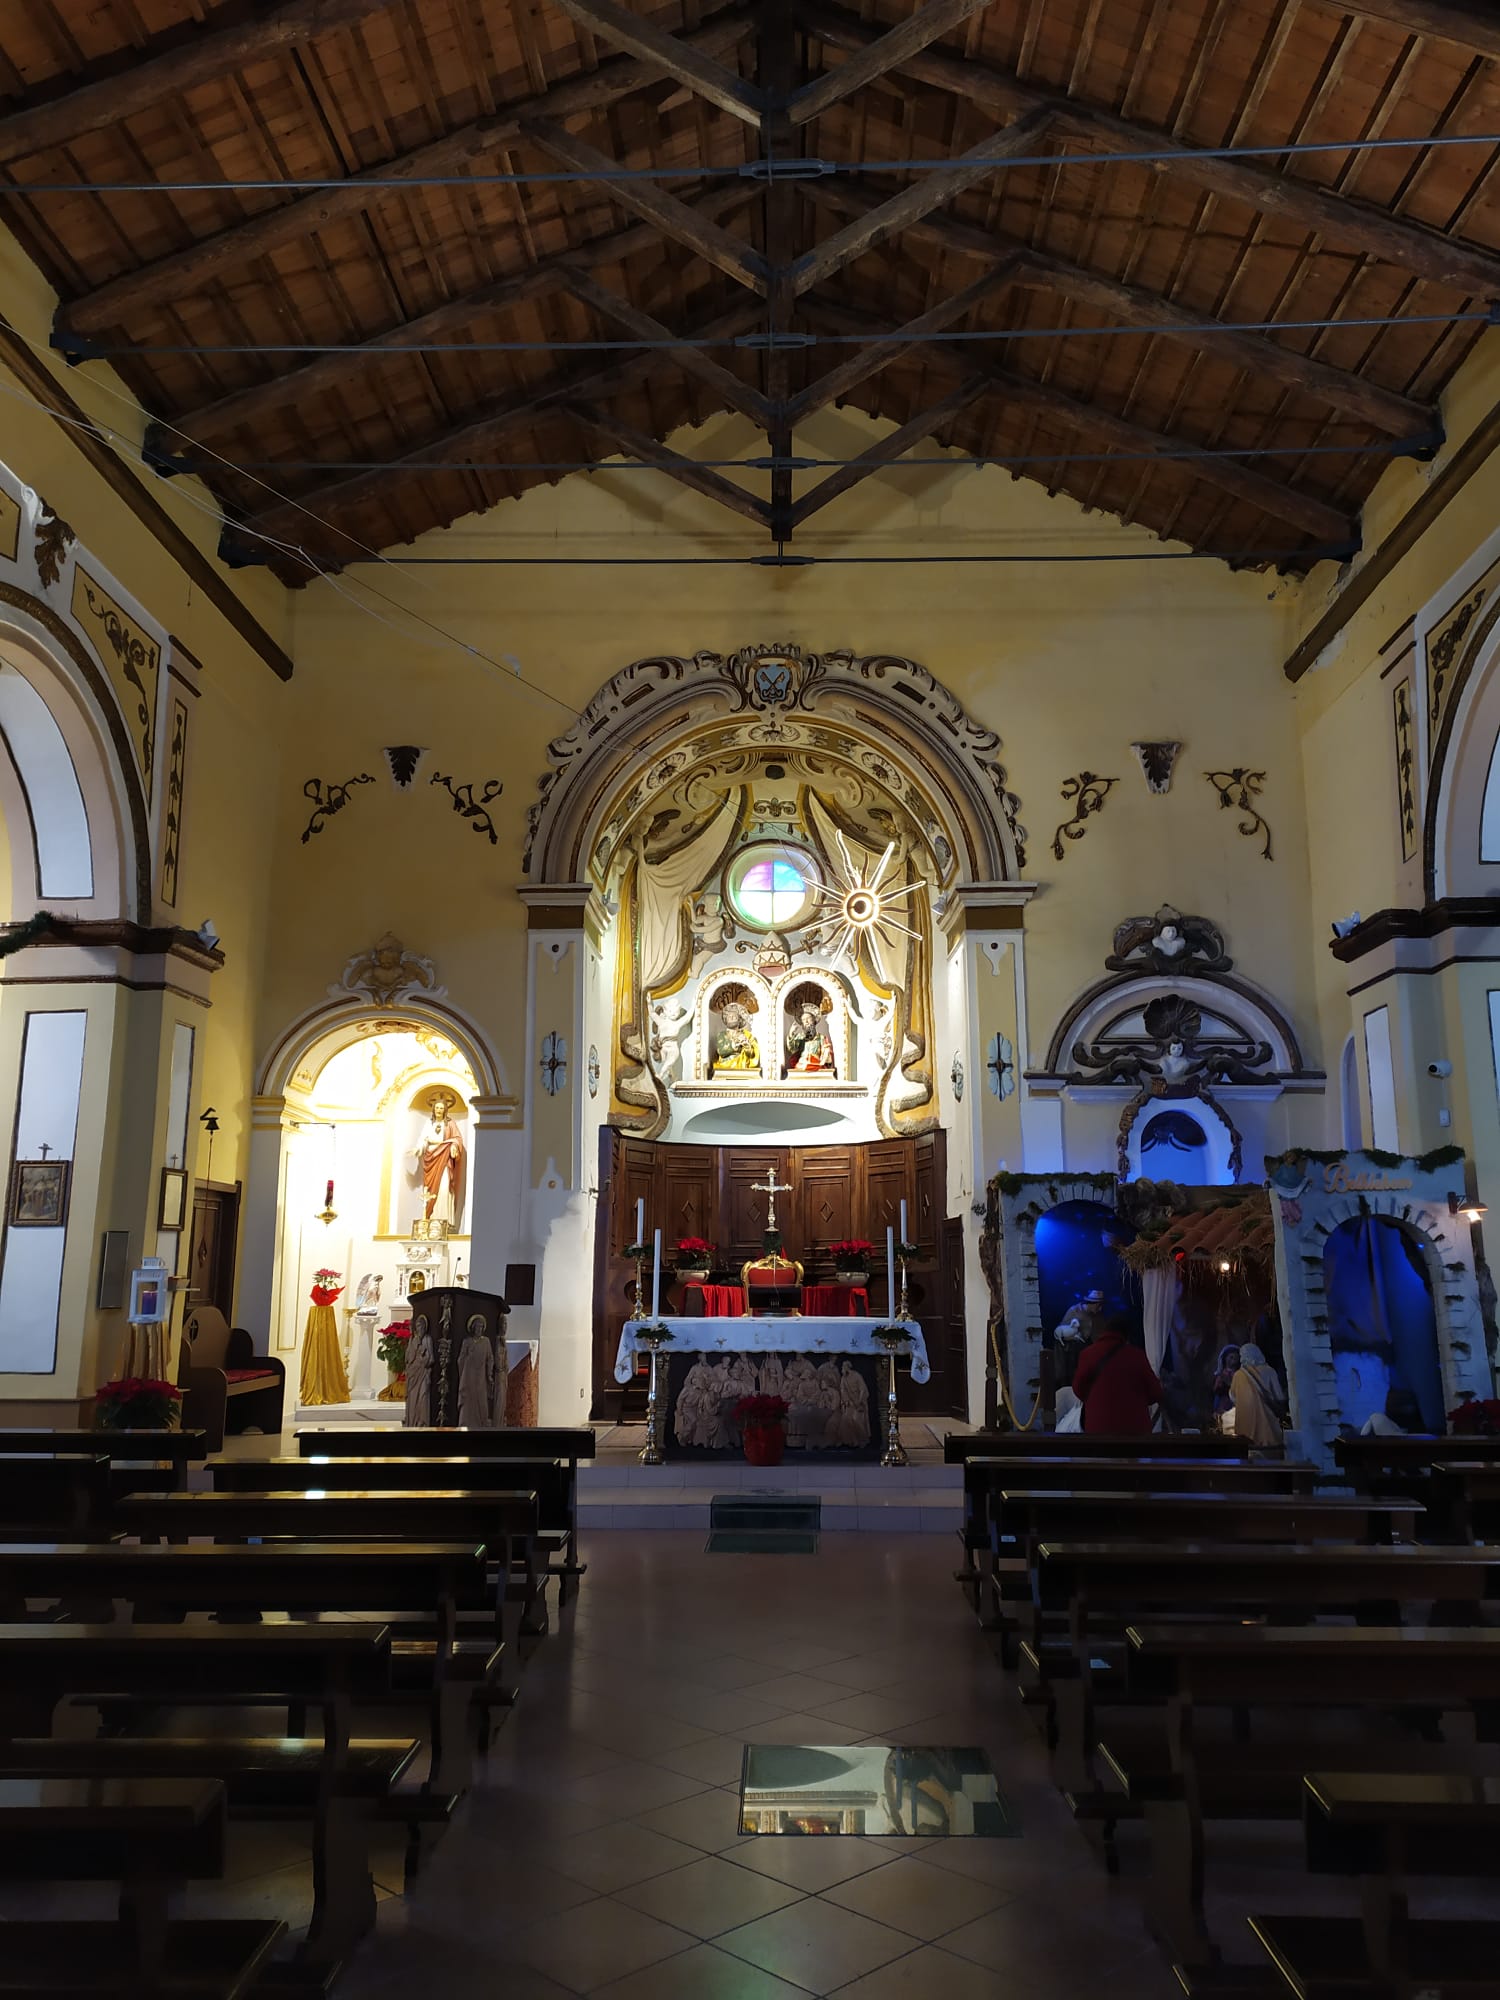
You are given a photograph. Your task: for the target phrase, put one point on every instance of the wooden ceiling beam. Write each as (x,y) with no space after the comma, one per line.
(1382,409)
(671,55)
(226,254)
(724,383)
(454,317)
(700,479)
(1361,225)
(927,192)
(459,445)
(908,38)
(885,449)
(868,361)
(1310,515)
(727,252)
(1471,27)
(169,64)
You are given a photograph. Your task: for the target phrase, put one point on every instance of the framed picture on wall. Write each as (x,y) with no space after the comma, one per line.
(39,1194)
(172,1209)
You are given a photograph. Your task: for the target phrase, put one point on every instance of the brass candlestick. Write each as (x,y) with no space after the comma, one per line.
(895,1450)
(651,1451)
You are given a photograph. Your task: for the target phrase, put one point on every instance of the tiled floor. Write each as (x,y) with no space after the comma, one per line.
(601,1856)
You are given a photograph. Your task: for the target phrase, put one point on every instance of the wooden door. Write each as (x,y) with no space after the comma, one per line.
(211,1247)
(824,1202)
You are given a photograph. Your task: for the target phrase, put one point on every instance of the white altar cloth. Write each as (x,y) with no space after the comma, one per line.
(701,1335)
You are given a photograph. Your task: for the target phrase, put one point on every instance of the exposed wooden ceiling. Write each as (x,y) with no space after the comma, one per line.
(408,110)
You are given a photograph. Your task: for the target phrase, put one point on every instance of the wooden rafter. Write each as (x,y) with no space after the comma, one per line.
(717,246)
(918,31)
(455,317)
(1282,501)
(927,192)
(671,55)
(779,70)
(1383,409)
(1393,239)
(867,361)
(301,518)
(726,385)
(893,446)
(160,71)
(1471,27)
(189,270)
(701,479)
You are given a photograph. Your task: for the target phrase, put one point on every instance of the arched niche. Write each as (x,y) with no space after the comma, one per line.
(1461,827)
(306,1047)
(1161,1148)
(1382,1320)
(76,818)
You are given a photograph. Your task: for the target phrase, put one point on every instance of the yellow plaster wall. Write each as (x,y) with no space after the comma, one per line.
(236,728)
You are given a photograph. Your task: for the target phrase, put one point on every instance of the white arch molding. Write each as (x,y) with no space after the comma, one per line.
(1461,820)
(310,1041)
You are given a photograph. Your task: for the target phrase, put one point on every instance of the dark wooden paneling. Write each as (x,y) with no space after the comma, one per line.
(825,1199)
(688,1177)
(742,1212)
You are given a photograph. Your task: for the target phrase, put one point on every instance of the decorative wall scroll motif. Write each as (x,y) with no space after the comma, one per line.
(1086,794)
(1157,761)
(10,526)
(1406,768)
(1444,643)
(1000,1067)
(328,800)
(472,809)
(956,1078)
(133,660)
(1168,942)
(1238,790)
(402,760)
(554,1064)
(776,691)
(593,1071)
(387,974)
(171,841)
(52,541)
(1168,1049)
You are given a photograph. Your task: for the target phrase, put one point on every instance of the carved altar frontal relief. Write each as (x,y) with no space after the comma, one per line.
(834,1403)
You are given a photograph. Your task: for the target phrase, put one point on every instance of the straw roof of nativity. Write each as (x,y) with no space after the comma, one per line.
(1237,1227)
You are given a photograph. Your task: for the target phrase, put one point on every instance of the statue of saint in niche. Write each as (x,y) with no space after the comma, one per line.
(736,1049)
(809,1046)
(440,1161)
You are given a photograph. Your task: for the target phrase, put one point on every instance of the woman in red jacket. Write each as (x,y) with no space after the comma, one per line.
(1115,1382)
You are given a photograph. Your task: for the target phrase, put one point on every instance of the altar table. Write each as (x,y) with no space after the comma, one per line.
(805,1335)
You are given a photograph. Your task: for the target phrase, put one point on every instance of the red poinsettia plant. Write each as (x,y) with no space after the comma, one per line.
(761,1410)
(695,1250)
(392,1345)
(137,1403)
(852,1254)
(1475,1416)
(326,1287)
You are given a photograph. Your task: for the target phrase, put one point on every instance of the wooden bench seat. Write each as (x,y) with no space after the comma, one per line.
(54,1493)
(959,1447)
(270,1778)
(147,1834)
(1325,1958)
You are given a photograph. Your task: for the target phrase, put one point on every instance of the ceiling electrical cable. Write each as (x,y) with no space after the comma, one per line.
(762,170)
(1339,552)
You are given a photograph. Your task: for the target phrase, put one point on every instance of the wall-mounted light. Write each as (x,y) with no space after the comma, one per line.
(209,1120)
(1225,1265)
(1471,1211)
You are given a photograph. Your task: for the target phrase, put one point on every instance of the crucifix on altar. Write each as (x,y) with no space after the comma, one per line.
(771,1187)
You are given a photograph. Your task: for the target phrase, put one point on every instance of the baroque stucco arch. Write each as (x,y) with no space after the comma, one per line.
(887,713)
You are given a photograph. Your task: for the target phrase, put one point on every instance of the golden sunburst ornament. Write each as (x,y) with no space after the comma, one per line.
(859,906)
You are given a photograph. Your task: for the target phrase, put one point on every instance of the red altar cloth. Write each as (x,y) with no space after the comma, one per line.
(835,1302)
(717,1301)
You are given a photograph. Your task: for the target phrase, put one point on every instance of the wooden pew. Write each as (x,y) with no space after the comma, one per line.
(551,1479)
(134,1455)
(1182,1775)
(1098,1586)
(1090,1444)
(986,1577)
(332,1780)
(560,1511)
(54,1493)
(1468,1491)
(148,1835)
(1385,1828)
(1405,1465)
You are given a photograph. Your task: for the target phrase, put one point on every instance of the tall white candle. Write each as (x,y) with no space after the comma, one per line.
(656,1279)
(640,1221)
(904,1237)
(890,1270)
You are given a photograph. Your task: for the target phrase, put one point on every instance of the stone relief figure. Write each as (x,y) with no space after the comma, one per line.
(854,1408)
(736,1050)
(419,1377)
(387,973)
(809,1046)
(476,1382)
(440,1162)
(1172,1056)
(1168,942)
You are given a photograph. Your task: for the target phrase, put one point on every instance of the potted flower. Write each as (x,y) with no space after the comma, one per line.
(764,1422)
(390,1347)
(851,1260)
(137,1403)
(695,1257)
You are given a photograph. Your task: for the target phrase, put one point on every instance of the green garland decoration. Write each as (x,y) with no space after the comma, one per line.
(1012,1184)
(1427,1163)
(16,937)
